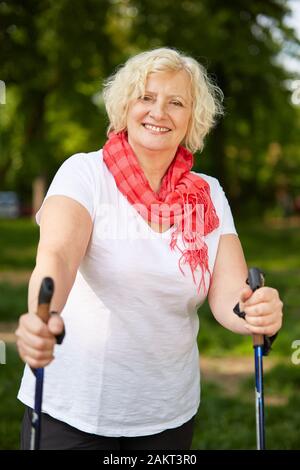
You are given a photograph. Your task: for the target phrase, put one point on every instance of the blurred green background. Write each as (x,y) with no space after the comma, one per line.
(53,59)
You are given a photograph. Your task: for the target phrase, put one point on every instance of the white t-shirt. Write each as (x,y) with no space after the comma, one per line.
(129,364)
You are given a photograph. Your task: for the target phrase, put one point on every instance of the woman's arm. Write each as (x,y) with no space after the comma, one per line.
(65,230)
(263,307)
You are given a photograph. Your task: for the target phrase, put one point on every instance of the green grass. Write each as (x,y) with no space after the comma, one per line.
(11,409)
(18,241)
(13,301)
(224,421)
(277,252)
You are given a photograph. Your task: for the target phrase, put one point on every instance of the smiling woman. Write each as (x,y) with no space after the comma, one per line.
(130,303)
(157,122)
(193,89)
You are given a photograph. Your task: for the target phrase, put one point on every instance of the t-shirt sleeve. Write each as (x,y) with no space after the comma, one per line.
(75,179)
(227,225)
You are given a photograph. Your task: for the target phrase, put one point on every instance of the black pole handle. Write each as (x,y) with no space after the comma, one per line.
(44,299)
(256,279)
(46,290)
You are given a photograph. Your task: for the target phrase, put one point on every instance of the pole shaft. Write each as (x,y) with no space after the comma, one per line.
(44,299)
(259,398)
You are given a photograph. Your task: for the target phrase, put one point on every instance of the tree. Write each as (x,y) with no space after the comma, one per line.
(53,58)
(54,55)
(238,41)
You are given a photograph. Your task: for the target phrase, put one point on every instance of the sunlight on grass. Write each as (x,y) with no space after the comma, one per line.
(11,409)
(228,422)
(224,421)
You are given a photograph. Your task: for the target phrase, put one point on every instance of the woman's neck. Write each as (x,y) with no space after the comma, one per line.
(154,165)
(154,171)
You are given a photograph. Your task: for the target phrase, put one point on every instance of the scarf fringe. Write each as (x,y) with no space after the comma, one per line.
(195,258)
(194,216)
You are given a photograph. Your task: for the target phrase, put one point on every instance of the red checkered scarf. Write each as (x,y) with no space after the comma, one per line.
(183,200)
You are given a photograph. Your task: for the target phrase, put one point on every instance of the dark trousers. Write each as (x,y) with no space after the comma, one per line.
(57,435)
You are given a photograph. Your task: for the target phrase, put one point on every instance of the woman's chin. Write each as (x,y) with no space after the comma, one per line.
(157,142)
(159,147)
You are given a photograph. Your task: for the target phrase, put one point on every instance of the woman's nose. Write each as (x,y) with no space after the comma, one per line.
(157,110)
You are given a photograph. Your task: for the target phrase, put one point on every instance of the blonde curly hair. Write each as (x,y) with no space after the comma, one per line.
(129,81)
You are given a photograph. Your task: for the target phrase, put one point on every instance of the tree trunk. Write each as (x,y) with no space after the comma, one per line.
(38,193)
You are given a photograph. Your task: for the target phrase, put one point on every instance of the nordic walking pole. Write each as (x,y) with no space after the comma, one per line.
(45,296)
(255,281)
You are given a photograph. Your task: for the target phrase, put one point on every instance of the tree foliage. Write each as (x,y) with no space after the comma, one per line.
(54,56)
(239,42)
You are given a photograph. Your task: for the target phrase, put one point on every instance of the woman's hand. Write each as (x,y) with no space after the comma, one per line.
(36,339)
(263,309)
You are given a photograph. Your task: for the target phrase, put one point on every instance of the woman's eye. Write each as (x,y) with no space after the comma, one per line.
(176,103)
(146,98)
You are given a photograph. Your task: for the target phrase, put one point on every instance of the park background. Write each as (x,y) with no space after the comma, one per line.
(54,56)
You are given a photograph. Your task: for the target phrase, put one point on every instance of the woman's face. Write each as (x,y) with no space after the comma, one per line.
(158,120)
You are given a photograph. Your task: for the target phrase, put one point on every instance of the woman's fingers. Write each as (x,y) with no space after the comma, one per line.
(36,339)
(35,358)
(261,320)
(32,323)
(56,324)
(268,330)
(40,343)
(245,294)
(263,311)
(263,294)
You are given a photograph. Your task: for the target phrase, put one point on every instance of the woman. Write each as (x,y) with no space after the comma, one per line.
(135,241)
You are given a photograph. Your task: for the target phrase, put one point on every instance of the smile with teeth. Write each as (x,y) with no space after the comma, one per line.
(156,128)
